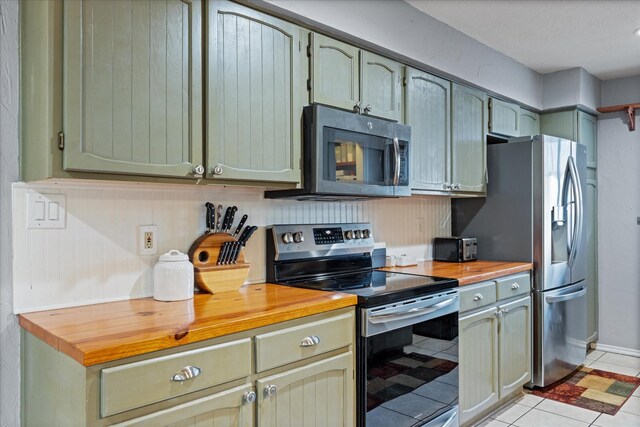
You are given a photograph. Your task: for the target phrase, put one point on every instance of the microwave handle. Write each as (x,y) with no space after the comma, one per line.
(396,170)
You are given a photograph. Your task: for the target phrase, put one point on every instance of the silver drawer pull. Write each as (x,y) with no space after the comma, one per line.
(515,286)
(186,373)
(477,297)
(310,341)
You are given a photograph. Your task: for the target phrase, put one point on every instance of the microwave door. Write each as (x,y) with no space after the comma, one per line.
(354,163)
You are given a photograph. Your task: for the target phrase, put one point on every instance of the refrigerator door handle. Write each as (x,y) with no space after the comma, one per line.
(576,239)
(567,297)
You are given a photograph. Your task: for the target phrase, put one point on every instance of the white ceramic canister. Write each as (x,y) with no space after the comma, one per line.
(173,277)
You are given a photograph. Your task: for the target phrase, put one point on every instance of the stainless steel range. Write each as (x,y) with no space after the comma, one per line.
(407,345)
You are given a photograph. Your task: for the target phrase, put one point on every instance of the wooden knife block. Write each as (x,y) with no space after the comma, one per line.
(213,278)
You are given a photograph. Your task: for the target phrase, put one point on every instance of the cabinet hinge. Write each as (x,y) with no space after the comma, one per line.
(308,51)
(308,84)
(299,46)
(61,140)
(404,82)
(489,111)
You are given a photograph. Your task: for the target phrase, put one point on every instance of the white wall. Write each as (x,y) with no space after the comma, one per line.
(618,210)
(399,27)
(570,88)
(9,330)
(94,259)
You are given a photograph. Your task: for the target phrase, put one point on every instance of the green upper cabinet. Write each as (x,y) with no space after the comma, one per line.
(529,123)
(132,85)
(575,125)
(428,113)
(588,135)
(346,77)
(504,117)
(468,139)
(335,72)
(254,96)
(380,86)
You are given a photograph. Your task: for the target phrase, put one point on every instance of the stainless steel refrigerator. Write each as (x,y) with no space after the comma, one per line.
(534,211)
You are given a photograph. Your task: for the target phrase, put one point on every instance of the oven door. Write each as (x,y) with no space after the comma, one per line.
(408,363)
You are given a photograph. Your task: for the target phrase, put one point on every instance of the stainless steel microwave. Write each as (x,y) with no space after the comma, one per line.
(348,155)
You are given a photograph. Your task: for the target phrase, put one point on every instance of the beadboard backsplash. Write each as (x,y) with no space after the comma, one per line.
(95,257)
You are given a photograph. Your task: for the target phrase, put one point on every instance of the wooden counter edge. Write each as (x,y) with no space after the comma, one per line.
(116,352)
(481,277)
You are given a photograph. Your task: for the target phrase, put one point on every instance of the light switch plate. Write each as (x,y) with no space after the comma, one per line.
(45,210)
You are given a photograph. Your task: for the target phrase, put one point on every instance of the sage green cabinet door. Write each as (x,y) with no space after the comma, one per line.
(225,409)
(428,112)
(478,362)
(562,124)
(468,139)
(335,72)
(588,135)
(132,87)
(254,96)
(591,208)
(381,86)
(529,123)
(504,117)
(318,394)
(515,345)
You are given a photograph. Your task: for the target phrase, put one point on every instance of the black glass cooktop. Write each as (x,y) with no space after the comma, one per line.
(375,287)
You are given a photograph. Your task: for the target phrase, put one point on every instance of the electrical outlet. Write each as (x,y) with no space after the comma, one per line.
(148,239)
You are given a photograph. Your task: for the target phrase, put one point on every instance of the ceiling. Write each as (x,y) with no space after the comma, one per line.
(551,35)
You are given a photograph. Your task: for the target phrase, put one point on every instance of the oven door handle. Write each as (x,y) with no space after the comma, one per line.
(414,312)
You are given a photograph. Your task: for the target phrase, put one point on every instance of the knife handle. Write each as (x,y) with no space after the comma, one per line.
(225,220)
(209,207)
(231,216)
(221,253)
(240,225)
(249,233)
(218,218)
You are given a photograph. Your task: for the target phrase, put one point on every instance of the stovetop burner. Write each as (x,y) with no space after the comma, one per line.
(341,262)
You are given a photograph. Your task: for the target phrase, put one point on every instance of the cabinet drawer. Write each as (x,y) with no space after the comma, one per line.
(300,342)
(477,296)
(136,384)
(513,285)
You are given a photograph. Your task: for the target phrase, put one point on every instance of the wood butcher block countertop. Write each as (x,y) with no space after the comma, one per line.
(465,272)
(100,333)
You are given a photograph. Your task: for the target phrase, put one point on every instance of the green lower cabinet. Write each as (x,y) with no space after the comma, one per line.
(478,362)
(213,382)
(514,336)
(229,408)
(529,123)
(318,394)
(468,139)
(495,344)
(591,210)
(255,96)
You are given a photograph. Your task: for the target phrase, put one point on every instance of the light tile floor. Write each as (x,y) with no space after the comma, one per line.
(534,411)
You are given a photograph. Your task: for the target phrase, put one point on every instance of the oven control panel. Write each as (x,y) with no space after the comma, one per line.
(296,241)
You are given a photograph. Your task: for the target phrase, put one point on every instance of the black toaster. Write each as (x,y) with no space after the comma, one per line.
(455,249)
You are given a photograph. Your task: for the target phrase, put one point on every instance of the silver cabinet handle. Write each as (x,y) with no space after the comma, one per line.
(477,297)
(368,108)
(515,286)
(249,397)
(217,170)
(356,108)
(456,186)
(310,341)
(499,313)
(198,170)
(270,390)
(447,186)
(186,373)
